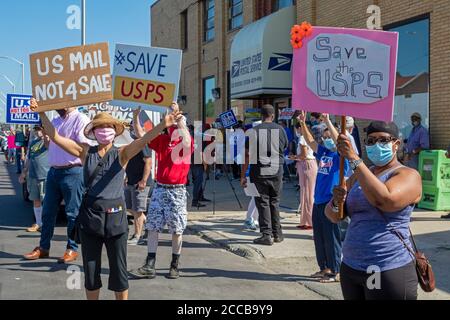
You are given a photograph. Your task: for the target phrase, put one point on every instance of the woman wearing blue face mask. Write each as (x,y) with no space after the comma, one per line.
(380,202)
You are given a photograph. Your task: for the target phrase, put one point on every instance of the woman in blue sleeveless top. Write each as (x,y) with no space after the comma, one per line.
(379,200)
(102,218)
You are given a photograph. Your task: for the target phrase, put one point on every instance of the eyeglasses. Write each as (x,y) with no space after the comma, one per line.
(383,141)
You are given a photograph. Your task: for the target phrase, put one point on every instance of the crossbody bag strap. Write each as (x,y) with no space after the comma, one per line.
(100,165)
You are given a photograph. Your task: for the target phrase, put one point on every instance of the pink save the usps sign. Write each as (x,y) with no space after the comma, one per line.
(347,72)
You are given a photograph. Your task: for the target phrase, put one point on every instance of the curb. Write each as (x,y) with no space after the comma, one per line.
(220,240)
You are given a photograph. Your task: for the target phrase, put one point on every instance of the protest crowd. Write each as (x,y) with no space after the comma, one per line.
(357,187)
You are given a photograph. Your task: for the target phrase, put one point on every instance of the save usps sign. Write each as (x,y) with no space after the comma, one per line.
(18,110)
(146,76)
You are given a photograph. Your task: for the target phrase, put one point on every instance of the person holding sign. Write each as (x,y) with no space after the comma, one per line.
(169,199)
(380,201)
(64,182)
(102,218)
(327,237)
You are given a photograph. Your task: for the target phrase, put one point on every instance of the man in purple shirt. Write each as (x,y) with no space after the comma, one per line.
(64,181)
(418,140)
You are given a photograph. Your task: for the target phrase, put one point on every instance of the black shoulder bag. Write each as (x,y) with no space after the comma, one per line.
(75,235)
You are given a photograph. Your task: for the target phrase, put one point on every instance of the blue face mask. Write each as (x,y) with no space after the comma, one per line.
(379,154)
(329,144)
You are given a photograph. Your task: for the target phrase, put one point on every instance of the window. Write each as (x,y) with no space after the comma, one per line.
(235,14)
(184,30)
(413,73)
(209,112)
(209,15)
(280,4)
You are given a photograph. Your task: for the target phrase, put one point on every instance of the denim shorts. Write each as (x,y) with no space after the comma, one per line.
(36,189)
(168,206)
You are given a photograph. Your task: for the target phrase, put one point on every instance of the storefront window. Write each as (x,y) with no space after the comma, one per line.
(280,4)
(413,73)
(235,14)
(209,111)
(209,15)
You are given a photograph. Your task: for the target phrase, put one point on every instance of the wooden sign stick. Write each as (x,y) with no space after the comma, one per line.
(342,181)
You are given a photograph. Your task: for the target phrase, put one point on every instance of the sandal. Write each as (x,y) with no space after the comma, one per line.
(319,275)
(330,278)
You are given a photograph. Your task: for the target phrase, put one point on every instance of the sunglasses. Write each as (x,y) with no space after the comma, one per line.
(383,141)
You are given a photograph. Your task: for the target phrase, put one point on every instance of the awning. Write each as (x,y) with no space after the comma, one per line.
(261,57)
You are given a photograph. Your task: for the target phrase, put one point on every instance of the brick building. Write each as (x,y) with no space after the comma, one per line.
(205,30)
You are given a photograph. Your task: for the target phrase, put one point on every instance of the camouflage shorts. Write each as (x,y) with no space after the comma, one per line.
(168,207)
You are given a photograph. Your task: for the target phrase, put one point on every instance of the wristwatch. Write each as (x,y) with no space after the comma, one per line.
(355,164)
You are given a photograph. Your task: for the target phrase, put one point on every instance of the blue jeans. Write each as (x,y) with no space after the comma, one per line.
(61,184)
(19,160)
(327,240)
(197,176)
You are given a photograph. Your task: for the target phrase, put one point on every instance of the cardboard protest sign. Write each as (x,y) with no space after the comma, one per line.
(71,77)
(145,76)
(346,72)
(228,119)
(18,110)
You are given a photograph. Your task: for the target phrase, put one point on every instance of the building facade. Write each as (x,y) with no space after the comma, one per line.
(205,30)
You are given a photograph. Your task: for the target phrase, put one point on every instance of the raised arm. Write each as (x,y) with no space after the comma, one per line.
(306,133)
(138,130)
(331,127)
(68,145)
(129,151)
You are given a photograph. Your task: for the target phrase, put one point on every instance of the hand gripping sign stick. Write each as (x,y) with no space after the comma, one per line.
(342,167)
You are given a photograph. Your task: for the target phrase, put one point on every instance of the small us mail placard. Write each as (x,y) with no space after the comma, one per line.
(71,77)
(146,76)
(18,110)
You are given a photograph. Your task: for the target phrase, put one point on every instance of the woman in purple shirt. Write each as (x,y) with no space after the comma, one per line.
(380,201)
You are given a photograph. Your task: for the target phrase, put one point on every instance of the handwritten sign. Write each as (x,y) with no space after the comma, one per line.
(18,110)
(228,119)
(71,77)
(346,72)
(146,76)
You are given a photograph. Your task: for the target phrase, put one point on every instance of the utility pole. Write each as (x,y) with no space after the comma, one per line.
(83,22)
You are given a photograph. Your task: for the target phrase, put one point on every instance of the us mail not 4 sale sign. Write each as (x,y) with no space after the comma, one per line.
(146,77)
(18,110)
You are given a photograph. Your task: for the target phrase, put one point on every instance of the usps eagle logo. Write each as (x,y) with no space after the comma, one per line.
(281,62)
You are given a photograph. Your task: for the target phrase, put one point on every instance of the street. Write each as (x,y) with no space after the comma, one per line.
(208,272)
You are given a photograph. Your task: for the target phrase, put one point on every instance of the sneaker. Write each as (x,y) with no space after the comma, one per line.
(133,241)
(264,240)
(142,242)
(147,271)
(174,273)
(34,228)
(250,226)
(205,200)
(278,239)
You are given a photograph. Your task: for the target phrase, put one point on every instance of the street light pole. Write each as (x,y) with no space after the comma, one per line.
(10,82)
(23,70)
(83,22)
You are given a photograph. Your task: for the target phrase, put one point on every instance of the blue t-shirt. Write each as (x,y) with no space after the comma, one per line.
(328,174)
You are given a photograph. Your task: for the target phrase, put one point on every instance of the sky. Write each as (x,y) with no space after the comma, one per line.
(29,26)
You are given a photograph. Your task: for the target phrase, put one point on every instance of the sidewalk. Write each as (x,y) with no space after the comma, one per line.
(294,259)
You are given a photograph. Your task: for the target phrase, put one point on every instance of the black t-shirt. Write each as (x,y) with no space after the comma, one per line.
(135,168)
(265,168)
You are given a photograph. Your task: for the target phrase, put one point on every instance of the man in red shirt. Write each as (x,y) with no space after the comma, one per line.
(169,199)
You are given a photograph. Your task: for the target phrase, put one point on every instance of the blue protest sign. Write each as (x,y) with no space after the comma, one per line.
(228,119)
(18,110)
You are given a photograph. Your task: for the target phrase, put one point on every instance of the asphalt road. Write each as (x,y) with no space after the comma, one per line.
(208,272)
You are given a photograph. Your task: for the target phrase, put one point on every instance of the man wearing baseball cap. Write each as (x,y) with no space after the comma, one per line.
(418,140)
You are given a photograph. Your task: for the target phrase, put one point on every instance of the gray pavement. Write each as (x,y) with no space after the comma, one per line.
(208,271)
